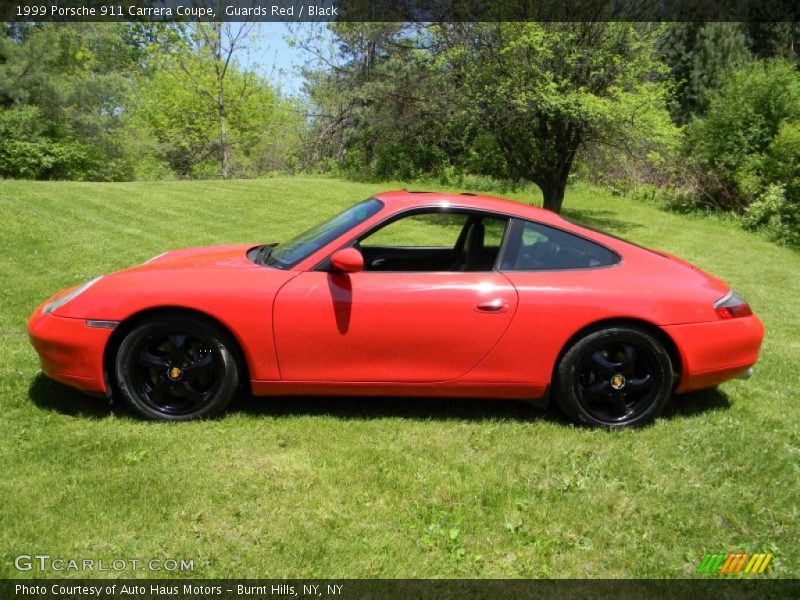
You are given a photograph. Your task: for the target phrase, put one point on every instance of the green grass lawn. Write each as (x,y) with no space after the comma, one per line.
(304,487)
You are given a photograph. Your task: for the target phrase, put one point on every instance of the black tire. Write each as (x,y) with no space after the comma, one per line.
(616,377)
(177,368)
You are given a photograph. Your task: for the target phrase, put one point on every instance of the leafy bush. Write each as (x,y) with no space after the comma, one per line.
(774,213)
(744,117)
(745,154)
(22,156)
(782,162)
(777,178)
(28,150)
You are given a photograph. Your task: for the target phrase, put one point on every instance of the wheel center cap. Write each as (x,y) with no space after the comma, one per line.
(174,373)
(618,381)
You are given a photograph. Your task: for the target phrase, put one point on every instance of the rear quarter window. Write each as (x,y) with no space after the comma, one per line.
(536,247)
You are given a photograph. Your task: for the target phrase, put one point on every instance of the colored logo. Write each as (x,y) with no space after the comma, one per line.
(734,562)
(618,381)
(175,373)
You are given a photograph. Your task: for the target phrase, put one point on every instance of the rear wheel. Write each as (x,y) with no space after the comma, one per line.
(177,368)
(616,377)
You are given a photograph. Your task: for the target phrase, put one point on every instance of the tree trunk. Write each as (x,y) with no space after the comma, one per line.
(223,142)
(223,133)
(553,194)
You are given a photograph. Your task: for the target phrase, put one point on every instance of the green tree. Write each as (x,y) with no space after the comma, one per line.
(374,106)
(543,90)
(77,80)
(511,100)
(205,109)
(217,45)
(773,39)
(699,55)
(260,128)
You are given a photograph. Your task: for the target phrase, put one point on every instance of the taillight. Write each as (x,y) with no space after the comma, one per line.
(731,306)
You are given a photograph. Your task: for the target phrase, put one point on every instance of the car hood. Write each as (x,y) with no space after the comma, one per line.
(201,279)
(204,257)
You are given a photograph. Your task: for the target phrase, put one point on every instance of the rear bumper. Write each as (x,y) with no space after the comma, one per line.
(70,351)
(716,351)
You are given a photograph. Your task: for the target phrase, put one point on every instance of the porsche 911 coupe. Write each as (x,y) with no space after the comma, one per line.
(407,293)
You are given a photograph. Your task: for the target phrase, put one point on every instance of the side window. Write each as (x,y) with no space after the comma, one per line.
(435,241)
(427,230)
(536,247)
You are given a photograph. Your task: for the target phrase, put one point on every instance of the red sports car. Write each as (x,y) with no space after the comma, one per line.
(406,293)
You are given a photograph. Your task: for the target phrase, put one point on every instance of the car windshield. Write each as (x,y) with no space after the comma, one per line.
(291,252)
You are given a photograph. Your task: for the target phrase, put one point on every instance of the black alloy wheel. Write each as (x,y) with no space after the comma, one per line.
(615,377)
(177,368)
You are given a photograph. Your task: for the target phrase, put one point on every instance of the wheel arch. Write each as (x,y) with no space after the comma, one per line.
(130,322)
(662,336)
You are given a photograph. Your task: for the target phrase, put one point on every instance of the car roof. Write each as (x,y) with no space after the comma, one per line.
(404,199)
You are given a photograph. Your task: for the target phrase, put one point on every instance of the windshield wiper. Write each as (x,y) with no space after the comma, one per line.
(262,254)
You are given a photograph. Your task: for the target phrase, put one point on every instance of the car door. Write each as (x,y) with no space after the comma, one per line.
(425,325)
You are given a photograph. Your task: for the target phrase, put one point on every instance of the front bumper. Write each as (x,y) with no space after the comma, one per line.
(70,351)
(716,351)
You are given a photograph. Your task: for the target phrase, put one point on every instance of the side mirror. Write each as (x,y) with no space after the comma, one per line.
(347,260)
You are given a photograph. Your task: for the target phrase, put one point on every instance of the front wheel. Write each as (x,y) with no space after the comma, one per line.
(616,377)
(177,368)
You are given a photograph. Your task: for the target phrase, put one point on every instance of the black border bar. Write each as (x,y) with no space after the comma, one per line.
(401,10)
(358,589)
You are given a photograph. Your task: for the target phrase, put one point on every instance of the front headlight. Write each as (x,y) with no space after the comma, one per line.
(62,300)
